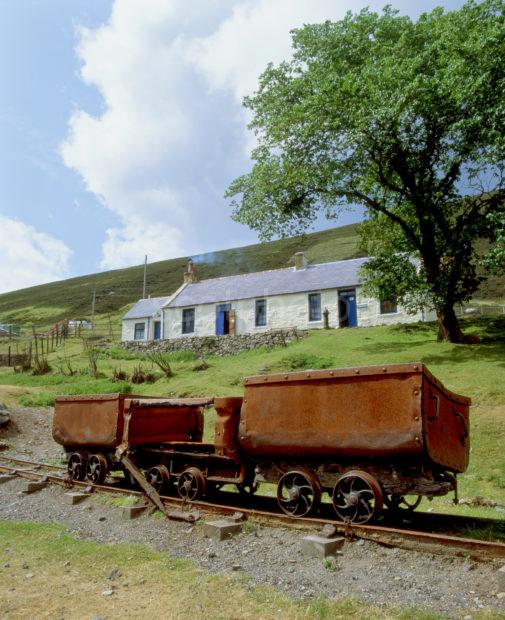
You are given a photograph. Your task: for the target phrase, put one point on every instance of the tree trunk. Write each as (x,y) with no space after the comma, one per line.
(449,329)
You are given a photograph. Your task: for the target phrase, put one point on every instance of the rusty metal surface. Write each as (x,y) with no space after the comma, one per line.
(446,427)
(95,420)
(98,421)
(376,411)
(226,430)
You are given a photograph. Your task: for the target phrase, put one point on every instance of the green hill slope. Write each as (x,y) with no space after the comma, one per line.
(48,303)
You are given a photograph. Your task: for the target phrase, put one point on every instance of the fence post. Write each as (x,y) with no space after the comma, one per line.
(9,356)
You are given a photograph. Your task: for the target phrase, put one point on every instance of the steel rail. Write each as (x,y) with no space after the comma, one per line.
(389,536)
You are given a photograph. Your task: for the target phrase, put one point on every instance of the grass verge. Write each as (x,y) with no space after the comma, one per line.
(46,573)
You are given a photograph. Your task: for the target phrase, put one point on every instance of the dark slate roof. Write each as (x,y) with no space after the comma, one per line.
(339,274)
(146,307)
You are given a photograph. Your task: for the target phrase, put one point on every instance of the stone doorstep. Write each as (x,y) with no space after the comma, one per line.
(7,477)
(222,529)
(31,487)
(132,512)
(74,497)
(319,547)
(501,579)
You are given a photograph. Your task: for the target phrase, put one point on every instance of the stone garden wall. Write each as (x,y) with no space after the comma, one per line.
(219,345)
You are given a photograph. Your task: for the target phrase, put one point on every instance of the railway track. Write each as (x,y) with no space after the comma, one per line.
(430,533)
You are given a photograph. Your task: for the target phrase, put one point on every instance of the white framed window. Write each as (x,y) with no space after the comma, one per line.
(314,306)
(260,313)
(139,331)
(188,320)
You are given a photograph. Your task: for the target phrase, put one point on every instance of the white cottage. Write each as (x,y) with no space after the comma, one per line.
(303,296)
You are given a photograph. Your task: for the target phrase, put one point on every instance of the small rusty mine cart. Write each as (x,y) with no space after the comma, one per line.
(96,430)
(363,436)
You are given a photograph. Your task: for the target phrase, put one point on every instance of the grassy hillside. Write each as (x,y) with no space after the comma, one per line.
(45,304)
(48,303)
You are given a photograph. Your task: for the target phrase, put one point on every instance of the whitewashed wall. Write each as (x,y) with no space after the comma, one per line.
(282,311)
(128,327)
(369,313)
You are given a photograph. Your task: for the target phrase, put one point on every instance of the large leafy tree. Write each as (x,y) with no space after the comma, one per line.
(404,117)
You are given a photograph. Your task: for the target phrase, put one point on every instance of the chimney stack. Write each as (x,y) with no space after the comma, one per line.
(189,274)
(300,261)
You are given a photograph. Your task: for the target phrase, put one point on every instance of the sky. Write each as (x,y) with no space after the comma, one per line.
(121,125)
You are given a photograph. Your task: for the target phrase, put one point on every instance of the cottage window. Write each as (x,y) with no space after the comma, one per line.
(140,330)
(388,306)
(261,313)
(188,320)
(315,307)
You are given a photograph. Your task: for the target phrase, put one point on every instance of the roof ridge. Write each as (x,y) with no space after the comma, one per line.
(291,268)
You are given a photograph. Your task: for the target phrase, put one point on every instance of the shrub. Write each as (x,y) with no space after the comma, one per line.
(199,366)
(119,375)
(41,366)
(138,375)
(162,360)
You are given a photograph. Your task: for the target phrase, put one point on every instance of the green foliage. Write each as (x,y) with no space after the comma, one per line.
(183,356)
(118,353)
(41,399)
(405,118)
(141,375)
(494,259)
(162,360)
(200,365)
(395,277)
(330,564)
(304,361)
(41,366)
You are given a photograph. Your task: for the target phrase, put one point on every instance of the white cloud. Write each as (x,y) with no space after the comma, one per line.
(129,154)
(29,257)
(257,32)
(172,133)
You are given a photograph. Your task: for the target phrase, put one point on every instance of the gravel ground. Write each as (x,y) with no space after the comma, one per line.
(363,570)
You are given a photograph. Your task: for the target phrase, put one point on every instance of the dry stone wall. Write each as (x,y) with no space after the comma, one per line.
(219,345)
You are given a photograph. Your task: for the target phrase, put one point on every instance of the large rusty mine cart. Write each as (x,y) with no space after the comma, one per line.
(364,436)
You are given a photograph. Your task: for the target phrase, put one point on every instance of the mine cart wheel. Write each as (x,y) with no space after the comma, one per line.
(96,470)
(76,466)
(357,497)
(407,503)
(298,493)
(159,478)
(191,484)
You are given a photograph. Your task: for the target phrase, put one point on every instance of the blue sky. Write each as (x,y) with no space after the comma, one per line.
(121,125)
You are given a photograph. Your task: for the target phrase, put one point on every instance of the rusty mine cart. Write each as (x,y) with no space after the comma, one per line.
(365,436)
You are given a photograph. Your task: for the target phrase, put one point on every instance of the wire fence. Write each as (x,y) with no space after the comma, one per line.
(27,344)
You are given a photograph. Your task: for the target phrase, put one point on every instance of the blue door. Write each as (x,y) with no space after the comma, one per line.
(347,309)
(157,330)
(223,319)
